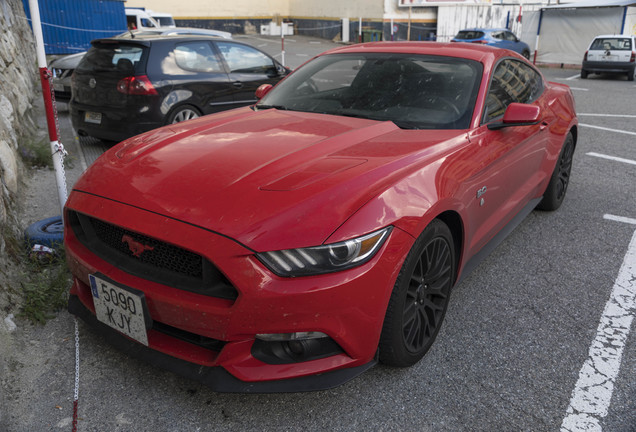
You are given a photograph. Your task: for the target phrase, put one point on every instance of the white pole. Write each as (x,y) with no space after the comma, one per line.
(57,149)
(282,42)
(360,30)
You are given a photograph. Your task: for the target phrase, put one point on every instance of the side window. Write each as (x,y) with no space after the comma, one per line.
(244,59)
(512,81)
(510,36)
(197,57)
(498,35)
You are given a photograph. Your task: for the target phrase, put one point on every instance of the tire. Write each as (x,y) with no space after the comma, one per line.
(526,54)
(48,232)
(583,73)
(183,113)
(560,179)
(420,298)
(630,76)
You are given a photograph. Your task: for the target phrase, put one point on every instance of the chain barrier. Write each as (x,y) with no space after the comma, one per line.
(76,389)
(59,149)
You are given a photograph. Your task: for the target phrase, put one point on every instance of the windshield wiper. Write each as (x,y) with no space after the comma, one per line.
(278,107)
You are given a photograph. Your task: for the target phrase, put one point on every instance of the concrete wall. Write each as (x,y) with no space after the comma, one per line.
(18,74)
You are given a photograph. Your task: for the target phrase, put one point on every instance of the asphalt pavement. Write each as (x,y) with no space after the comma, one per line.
(511,355)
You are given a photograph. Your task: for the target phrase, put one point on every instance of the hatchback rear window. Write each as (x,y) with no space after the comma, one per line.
(466,35)
(111,57)
(620,44)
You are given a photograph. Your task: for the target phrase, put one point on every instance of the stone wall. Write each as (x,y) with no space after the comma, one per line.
(18,87)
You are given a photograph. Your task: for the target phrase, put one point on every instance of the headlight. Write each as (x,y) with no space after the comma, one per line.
(327,258)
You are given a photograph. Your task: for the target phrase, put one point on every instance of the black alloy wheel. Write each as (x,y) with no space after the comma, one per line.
(420,298)
(558,186)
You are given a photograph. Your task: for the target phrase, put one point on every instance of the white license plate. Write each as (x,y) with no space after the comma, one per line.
(609,58)
(58,87)
(92,117)
(120,307)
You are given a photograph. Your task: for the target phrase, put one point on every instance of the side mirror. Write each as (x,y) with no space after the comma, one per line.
(518,114)
(262,90)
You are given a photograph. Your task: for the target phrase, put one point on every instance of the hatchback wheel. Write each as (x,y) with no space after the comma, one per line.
(183,113)
(420,298)
(526,54)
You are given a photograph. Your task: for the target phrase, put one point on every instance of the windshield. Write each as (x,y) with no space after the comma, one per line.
(469,34)
(413,91)
(111,57)
(621,44)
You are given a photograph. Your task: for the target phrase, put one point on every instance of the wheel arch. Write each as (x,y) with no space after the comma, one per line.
(454,222)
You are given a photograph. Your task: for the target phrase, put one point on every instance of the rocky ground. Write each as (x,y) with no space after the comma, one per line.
(29,352)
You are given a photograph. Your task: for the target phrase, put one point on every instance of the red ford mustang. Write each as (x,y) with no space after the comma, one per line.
(291,245)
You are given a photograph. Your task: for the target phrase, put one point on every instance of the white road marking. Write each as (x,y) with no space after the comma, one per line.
(593,391)
(607,129)
(579,89)
(607,115)
(578,75)
(613,158)
(620,219)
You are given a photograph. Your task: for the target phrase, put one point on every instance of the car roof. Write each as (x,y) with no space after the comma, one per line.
(475,52)
(484,29)
(613,36)
(147,39)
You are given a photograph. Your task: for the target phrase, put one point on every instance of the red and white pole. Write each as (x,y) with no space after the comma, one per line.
(45,75)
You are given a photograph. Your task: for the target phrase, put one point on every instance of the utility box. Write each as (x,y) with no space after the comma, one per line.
(273,29)
(69,26)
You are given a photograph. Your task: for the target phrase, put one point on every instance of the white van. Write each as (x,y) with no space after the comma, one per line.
(164,19)
(138,19)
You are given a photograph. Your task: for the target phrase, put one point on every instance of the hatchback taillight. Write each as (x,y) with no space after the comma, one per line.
(585,56)
(632,59)
(136,85)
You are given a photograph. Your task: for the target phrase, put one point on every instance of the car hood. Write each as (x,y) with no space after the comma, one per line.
(251,175)
(68,62)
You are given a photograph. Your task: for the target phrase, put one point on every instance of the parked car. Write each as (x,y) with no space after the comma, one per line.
(172,31)
(62,69)
(123,87)
(292,244)
(500,38)
(614,54)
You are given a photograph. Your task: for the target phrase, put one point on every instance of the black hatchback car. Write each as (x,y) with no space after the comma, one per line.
(123,87)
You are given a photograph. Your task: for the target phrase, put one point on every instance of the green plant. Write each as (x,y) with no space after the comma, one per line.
(36,153)
(45,286)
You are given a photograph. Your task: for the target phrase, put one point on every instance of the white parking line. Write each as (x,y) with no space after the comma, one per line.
(606,115)
(607,129)
(578,75)
(593,391)
(613,158)
(620,219)
(579,89)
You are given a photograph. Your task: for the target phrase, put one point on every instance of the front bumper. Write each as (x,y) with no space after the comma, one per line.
(348,306)
(217,378)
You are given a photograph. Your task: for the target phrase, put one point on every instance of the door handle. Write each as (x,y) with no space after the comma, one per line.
(237,84)
(544,124)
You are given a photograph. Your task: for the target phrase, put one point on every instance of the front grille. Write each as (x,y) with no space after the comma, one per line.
(150,258)
(161,255)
